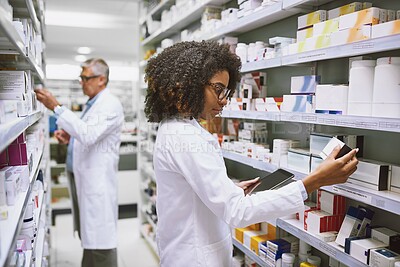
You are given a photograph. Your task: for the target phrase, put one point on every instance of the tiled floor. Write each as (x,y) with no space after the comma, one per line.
(132,249)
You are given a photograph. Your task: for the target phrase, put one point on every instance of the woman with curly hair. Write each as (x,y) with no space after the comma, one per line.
(196,201)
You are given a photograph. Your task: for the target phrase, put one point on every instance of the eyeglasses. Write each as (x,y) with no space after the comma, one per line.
(83,78)
(221,91)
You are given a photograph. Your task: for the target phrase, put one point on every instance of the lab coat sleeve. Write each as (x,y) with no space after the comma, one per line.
(205,171)
(94,129)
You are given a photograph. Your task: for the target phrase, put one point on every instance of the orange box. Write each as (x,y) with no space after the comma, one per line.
(385,29)
(255,227)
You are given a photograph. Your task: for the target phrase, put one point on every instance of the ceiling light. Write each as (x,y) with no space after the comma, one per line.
(84,50)
(80,58)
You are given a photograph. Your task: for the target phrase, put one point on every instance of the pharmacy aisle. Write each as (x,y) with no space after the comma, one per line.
(132,249)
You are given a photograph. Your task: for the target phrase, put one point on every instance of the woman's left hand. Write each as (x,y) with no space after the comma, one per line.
(249,185)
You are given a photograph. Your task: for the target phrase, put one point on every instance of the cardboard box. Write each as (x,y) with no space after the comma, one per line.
(331,99)
(318,42)
(382,257)
(304,84)
(350,225)
(343,10)
(383,234)
(371,174)
(299,160)
(318,141)
(368,16)
(326,27)
(239,233)
(318,221)
(351,35)
(255,242)
(311,18)
(385,29)
(297,48)
(331,203)
(395,179)
(360,249)
(298,103)
(302,35)
(14,85)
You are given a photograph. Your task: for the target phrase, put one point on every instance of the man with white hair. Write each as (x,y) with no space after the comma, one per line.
(92,162)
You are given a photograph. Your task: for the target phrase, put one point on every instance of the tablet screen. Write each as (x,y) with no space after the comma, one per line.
(274,180)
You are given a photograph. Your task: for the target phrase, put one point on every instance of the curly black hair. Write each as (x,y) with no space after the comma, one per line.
(178,76)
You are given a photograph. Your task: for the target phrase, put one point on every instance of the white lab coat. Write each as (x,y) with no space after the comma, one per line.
(95,166)
(197,203)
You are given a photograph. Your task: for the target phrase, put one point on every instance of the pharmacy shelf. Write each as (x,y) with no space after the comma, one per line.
(259,165)
(295,227)
(7,29)
(249,253)
(11,130)
(360,122)
(191,16)
(26,9)
(386,200)
(155,13)
(286,4)
(262,16)
(152,244)
(253,115)
(39,247)
(10,228)
(261,64)
(17,46)
(368,46)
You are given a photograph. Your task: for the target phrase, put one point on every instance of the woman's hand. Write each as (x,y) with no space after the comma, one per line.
(249,185)
(332,171)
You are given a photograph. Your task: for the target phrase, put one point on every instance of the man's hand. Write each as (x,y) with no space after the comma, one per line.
(62,136)
(46,98)
(249,185)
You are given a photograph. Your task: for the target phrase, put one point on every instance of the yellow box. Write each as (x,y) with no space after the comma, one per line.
(356,19)
(326,27)
(297,48)
(385,29)
(271,232)
(343,10)
(239,233)
(255,241)
(301,35)
(307,264)
(311,18)
(351,35)
(248,235)
(318,42)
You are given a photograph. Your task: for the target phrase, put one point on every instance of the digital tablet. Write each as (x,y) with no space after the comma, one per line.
(274,180)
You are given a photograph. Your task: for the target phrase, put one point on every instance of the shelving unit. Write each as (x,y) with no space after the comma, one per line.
(249,253)
(16,56)
(265,18)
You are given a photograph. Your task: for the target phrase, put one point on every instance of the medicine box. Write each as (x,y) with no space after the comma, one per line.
(385,29)
(13,85)
(343,10)
(297,47)
(304,84)
(301,35)
(239,233)
(318,141)
(395,179)
(260,104)
(383,234)
(326,27)
(333,143)
(360,249)
(318,42)
(316,160)
(366,222)
(253,126)
(327,236)
(382,257)
(271,104)
(299,160)
(331,99)
(311,18)
(350,35)
(318,221)
(331,203)
(350,225)
(368,16)
(371,174)
(248,235)
(255,242)
(298,103)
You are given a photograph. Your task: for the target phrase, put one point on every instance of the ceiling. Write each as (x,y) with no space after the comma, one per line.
(108,27)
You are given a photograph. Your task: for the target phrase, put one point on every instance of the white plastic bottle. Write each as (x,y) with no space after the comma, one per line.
(251,52)
(241,52)
(361,86)
(259,47)
(288,259)
(314,260)
(386,95)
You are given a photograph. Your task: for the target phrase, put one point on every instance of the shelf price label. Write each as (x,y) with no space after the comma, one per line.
(327,249)
(356,195)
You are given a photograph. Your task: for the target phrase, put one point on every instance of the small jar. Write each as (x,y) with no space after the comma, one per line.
(288,259)
(241,52)
(314,260)
(251,52)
